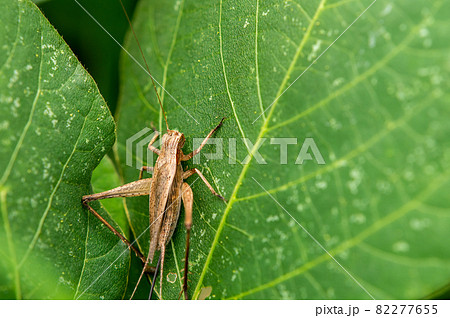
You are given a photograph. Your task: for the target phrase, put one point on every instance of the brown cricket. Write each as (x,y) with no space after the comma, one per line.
(166,189)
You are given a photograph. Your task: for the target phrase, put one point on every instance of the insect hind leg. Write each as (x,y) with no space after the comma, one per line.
(188,198)
(109,226)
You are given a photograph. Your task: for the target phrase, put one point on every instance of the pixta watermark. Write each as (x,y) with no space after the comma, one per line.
(226,150)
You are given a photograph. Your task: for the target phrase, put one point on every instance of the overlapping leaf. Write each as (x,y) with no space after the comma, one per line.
(54,128)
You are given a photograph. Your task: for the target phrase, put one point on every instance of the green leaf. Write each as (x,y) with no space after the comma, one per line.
(55,128)
(105,177)
(375,104)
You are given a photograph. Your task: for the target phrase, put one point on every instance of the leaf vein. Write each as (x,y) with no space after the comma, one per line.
(258,86)
(50,201)
(28,124)
(226,79)
(13,50)
(386,130)
(85,257)
(433,186)
(262,132)
(358,79)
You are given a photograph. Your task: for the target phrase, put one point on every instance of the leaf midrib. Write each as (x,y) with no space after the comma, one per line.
(261,134)
(376,67)
(264,129)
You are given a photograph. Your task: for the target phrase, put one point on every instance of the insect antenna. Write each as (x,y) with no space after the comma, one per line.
(145,61)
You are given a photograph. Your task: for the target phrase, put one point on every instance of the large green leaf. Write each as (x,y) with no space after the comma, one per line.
(376,105)
(55,128)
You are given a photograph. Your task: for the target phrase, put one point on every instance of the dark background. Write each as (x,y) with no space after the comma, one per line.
(97,52)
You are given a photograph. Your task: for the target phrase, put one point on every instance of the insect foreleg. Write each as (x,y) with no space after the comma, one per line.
(196,151)
(144,168)
(155,150)
(150,147)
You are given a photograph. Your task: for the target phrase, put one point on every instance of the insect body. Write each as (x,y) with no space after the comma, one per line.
(166,190)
